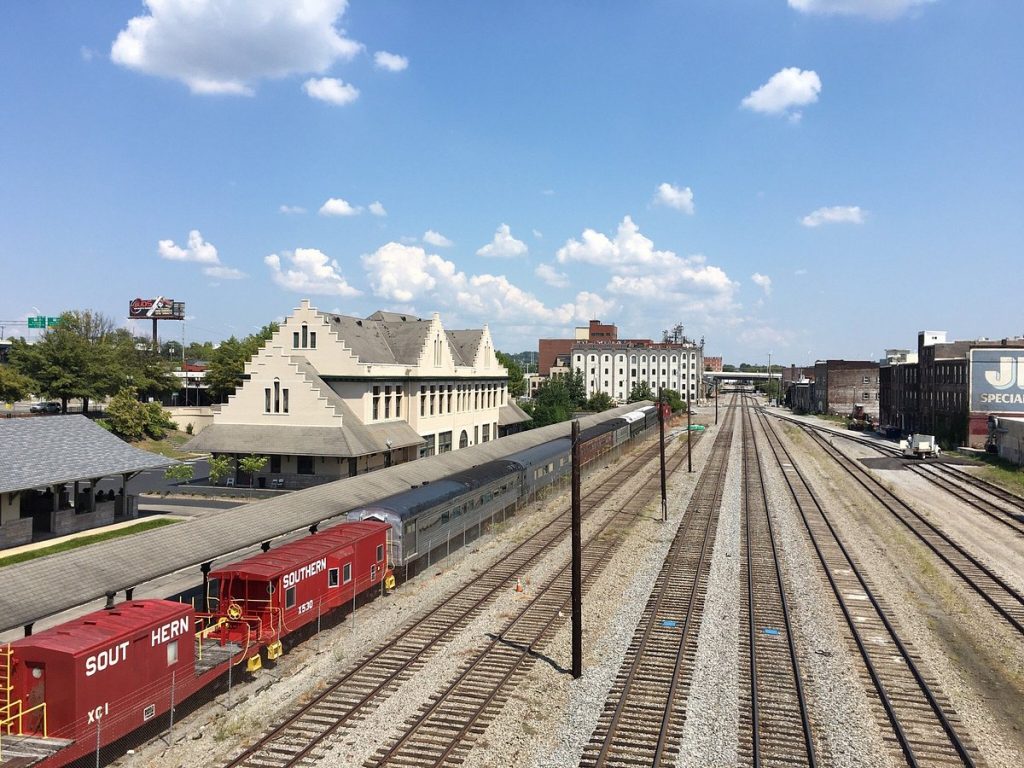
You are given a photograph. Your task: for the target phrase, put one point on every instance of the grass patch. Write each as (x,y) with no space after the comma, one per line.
(1003,473)
(84,541)
(170,446)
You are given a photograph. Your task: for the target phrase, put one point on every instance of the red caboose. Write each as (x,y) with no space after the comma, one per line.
(267,596)
(106,673)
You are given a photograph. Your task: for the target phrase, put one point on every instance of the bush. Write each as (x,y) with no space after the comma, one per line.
(131,420)
(188,428)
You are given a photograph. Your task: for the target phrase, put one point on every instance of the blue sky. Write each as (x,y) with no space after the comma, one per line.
(811,178)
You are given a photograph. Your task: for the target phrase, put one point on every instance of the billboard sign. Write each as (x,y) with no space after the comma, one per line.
(159,308)
(997,380)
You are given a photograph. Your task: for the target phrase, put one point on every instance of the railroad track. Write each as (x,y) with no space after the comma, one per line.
(908,704)
(1008,509)
(775,725)
(377,674)
(1004,599)
(444,730)
(644,713)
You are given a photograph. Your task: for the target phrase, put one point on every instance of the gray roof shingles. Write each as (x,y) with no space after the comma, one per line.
(48,450)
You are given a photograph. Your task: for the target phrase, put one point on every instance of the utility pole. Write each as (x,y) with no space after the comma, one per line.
(577,558)
(689,434)
(661,430)
(717,385)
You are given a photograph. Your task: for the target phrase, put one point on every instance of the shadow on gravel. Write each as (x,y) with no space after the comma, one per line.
(896,462)
(522,647)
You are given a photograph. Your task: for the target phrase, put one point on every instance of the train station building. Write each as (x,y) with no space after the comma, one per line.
(332,396)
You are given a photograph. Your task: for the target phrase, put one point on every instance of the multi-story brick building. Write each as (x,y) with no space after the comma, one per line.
(898,391)
(554,353)
(839,385)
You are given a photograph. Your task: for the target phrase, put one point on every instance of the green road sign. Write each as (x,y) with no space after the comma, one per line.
(52,321)
(37,322)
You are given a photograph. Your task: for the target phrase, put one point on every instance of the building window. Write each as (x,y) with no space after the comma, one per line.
(432,397)
(444,442)
(376,403)
(284,400)
(423,401)
(312,340)
(266,401)
(305,336)
(277,396)
(346,573)
(275,463)
(464,439)
(398,402)
(295,340)
(387,402)
(427,449)
(486,433)
(305,465)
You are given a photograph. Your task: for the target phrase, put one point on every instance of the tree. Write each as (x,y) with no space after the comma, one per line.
(577,388)
(199,350)
(125,415)
(551,405)
(220,467)
(13,385)
(641,390)
(674,399)
(181,473)
(516,382)
(132,420)
(600,401)
(252,464)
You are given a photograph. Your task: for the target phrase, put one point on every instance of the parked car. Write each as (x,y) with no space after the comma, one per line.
(45,408)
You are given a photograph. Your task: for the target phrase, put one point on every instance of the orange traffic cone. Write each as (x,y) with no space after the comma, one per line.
(519,585)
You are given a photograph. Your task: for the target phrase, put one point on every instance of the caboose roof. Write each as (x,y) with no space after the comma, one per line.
(286,558)
(101,629)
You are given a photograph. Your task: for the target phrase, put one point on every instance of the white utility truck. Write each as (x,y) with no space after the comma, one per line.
(920,446)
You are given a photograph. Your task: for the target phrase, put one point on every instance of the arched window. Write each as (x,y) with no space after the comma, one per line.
(464,439)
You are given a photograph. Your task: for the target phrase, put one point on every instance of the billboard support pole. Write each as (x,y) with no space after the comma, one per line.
(156,347)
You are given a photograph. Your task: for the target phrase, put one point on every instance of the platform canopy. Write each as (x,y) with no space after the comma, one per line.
(39,588)
(51,450)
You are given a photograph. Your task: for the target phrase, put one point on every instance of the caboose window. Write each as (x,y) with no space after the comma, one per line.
(380,552)
(289,597)
(172,653)
(332,577)
(347,573)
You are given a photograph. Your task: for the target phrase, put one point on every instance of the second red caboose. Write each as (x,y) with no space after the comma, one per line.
(272,594)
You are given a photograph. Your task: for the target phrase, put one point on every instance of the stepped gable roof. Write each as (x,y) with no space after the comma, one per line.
(464,345)
(406,338)
(364,337)
(49,450)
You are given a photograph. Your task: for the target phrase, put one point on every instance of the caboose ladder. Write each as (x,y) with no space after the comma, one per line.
(6,688)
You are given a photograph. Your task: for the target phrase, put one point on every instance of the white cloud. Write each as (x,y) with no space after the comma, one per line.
(641,272)
(674,197)
(552,276)
(225,273)
(291,210)
(87,54)
(800,272)
(874,9)
(837,214)
(538,234)
(787,88)
(197,250)
(405,273)
(331,89)
(310,271)
(430,237)
(200,252)
(763,281)
(503,245)
(392,62)
(377,208)
(226,46)
(335,206)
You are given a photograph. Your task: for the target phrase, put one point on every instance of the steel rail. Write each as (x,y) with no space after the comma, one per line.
(538,542)
(753,472)
(1014,615)
(883,694)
